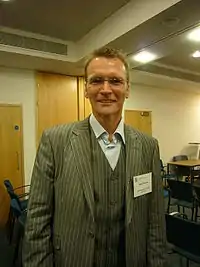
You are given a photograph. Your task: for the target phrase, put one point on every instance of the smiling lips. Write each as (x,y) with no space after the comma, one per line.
(106,101)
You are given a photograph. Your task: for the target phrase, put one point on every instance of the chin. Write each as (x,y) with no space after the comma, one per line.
(106,111)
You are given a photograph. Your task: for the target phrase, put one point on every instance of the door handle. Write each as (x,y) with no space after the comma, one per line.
(17,160)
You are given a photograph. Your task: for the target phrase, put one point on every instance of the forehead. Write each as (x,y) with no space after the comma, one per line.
(106,66)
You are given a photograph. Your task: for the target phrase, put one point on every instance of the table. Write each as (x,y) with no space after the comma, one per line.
(191,164)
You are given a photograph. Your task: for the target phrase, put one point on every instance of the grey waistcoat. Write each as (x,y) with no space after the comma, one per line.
(109,195)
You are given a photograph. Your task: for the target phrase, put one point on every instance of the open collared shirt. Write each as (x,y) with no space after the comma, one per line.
(110,149)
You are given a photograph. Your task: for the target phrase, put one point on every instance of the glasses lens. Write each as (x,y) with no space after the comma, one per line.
(96,80)
(115,81)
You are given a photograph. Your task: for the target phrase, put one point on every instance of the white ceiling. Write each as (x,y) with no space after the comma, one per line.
(67,20)
(164,34)
(166,24)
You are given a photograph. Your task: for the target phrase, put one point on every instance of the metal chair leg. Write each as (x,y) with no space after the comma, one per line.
(168,205)
(8,225)
(11,230)
(178,208)
(196,213)
(180,261)
(183,210)
(18,240)
(192,217)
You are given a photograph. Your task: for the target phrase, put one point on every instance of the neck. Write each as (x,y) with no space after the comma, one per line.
(109,122)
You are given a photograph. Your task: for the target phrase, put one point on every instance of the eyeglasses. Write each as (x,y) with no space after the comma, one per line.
(99,81)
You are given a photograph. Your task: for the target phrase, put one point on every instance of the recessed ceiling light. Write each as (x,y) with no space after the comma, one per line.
(196,54)
(144,57)
(195,35)
(6,1)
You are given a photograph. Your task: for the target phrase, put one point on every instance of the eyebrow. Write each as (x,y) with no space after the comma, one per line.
(102,75)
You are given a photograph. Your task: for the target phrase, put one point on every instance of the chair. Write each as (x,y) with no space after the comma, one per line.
(184,236)
(165,176)
(197,195)
(19,219)
(181,170)
(12,193)
(180,157)
(182,195)
(15,211)
(164,173)
(22,203)
(8,185)
(15,208)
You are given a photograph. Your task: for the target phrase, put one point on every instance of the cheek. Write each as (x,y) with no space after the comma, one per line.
(92,96)
(120,95)
(91,93)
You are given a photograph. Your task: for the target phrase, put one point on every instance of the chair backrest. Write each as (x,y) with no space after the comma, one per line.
(180,157)
(161,165)
(184,234)
(8,185)
(162,168)
(11,192)
(16,209)
(180,170)
(181,190)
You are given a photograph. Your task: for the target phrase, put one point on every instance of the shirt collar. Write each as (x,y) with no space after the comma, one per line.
(99,130)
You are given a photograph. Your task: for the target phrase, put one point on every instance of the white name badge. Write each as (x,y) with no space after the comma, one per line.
(142,184)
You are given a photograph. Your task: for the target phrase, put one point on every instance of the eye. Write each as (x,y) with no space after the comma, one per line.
(116,81)
(96,80)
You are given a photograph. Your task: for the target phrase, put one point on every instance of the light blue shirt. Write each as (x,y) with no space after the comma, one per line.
(110,149)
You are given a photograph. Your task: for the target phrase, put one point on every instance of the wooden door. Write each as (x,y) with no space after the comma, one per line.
(140,120)
(88,108)
(84,104)
(57,100)
(11,153)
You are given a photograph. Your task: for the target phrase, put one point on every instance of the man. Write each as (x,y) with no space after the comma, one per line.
(96,196)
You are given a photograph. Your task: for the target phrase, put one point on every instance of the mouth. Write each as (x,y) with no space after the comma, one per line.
(106,101)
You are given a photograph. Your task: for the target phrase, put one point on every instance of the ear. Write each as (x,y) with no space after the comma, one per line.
(127,91)
(86,92)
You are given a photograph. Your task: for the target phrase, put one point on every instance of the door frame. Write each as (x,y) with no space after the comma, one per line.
(21,137)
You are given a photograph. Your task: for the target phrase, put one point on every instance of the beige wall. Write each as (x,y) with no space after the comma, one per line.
(176,114)
(175,117)
(18,87)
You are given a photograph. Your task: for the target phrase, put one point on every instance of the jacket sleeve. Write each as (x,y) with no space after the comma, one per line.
(37,246)
(156,247)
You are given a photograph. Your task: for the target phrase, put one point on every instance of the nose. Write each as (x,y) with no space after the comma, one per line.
(106,88)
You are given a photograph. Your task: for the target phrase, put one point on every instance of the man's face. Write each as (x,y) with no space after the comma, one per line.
(106,86)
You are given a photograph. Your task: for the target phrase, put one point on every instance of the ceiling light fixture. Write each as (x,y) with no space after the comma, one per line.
(144,57)
(196,54)
(6,1)
(195,35)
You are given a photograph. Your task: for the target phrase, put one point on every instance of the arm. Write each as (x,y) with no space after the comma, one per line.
(37,249)
(156,247)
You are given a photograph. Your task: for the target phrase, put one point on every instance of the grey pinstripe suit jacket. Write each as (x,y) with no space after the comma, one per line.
(60,221)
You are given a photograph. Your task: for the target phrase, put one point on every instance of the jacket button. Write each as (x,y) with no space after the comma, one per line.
(91,234)
(113,202)
(114,177)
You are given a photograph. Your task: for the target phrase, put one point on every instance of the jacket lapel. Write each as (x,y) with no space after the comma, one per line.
(133,163)
(82,153)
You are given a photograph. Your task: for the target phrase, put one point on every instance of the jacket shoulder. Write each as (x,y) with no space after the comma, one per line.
(60,135)
(60,130)
(142,137)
